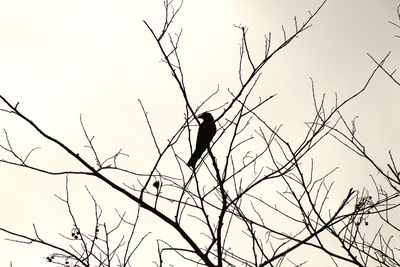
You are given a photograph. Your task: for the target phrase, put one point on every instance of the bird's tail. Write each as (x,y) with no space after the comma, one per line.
(193,159)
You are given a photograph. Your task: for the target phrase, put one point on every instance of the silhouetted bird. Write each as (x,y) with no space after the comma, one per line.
(206,132)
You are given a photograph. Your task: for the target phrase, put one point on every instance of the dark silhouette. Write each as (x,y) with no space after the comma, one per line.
(206,132)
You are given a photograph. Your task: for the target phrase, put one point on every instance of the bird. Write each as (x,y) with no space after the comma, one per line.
(205,134)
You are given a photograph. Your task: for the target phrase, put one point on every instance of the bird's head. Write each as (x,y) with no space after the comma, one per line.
(207,117)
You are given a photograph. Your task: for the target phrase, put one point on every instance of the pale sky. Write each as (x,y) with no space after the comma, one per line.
(60,59)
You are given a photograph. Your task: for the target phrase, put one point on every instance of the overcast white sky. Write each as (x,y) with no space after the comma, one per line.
(60,59)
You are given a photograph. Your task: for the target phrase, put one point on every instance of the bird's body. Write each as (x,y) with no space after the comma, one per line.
(206,132)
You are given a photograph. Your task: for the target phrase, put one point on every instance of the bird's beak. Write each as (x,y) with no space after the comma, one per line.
(201,116)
